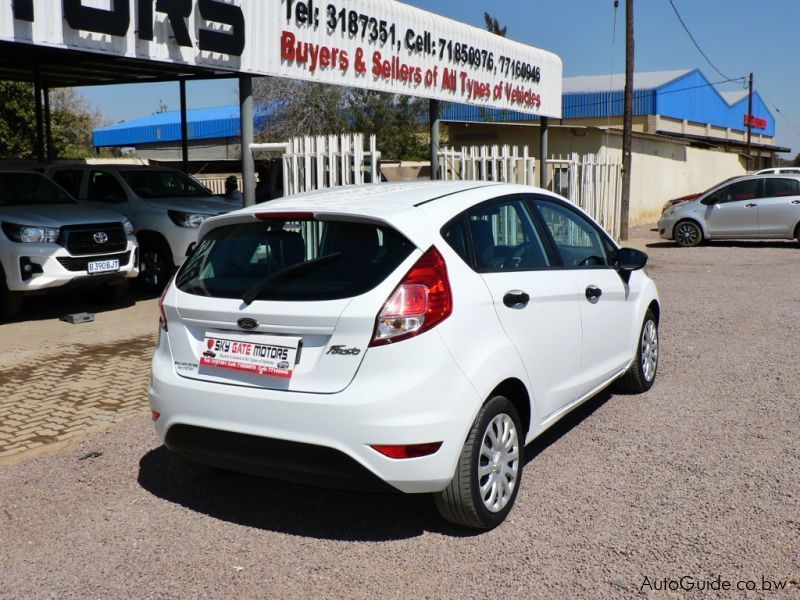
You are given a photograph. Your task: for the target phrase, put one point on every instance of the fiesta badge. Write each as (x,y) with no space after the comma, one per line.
(247,323)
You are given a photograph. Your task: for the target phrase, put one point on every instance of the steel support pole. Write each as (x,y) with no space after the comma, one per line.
(433,121)
(37,90)
(184,129)
(627,125)
(543,124)
(48,130)
(749,121)
(246,117)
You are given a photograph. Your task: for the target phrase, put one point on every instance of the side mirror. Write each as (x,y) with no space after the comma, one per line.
(630,259)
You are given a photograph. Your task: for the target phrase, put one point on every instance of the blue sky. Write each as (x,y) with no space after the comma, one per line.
(739,36)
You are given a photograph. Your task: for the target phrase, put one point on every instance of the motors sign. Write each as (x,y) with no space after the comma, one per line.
(373,44)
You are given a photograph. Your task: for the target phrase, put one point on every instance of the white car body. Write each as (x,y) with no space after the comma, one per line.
(153,226)
(51,263)
(552,355)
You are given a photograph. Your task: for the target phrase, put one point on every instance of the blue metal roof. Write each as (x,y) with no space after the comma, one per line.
(202,123)
(685,94)
(681,95)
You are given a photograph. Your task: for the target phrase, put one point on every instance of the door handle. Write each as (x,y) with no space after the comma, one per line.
(795,202)
(750,205)
(516,299)
(593,293)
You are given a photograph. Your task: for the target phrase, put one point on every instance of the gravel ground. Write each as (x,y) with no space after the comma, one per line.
(700,477)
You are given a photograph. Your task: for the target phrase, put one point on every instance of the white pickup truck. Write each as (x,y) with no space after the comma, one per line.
(165,206)
(48,240)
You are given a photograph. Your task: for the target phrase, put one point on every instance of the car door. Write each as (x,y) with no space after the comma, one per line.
(535,303)
(732,211)
(779,209)
(105,192)
(587,255)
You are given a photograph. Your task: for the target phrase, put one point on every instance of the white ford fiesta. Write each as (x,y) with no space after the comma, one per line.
(408,337)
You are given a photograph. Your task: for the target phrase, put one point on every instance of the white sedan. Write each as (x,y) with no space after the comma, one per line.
(409,337)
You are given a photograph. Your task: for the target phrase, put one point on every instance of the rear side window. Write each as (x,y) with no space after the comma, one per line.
(70,181)
(781,187)
(299,260)
(498,236)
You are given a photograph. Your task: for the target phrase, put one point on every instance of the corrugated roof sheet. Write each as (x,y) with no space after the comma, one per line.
(616,82)
(734,96)
(202,123)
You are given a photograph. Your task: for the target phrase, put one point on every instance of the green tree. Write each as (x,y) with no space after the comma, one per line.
(297,108)
(17,120)
(71,119)
(396,120)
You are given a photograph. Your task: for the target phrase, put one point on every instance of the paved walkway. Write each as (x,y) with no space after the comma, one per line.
(82,388)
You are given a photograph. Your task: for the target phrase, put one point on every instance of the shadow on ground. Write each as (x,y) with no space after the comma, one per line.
(56,303)
(314,512)
(731,244)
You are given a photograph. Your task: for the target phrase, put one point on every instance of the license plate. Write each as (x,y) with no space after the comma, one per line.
(102,266)
(268,355)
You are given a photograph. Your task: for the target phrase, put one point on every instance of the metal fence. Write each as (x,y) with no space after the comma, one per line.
(592,182)
(508,164)
(319,162)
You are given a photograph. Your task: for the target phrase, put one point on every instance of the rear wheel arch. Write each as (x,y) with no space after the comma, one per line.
(516,391)
(656,309)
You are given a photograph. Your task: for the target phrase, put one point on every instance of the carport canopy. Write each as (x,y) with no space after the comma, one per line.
(381,45)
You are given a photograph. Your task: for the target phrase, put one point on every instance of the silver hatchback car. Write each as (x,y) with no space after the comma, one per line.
(754,206)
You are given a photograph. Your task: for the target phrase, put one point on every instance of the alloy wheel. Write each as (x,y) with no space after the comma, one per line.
(498,463)
(649,352)
(687,234)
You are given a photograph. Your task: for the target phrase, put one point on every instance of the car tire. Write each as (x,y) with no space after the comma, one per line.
(486,465)
(642,373)
(155,264)
(688,234)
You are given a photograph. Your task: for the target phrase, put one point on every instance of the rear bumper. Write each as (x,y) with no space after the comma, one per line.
(408,393)
(277,459)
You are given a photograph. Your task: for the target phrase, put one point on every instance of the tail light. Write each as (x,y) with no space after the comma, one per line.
(422,300)
(162,318)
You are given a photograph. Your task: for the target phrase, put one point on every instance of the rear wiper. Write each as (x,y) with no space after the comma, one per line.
(254,291)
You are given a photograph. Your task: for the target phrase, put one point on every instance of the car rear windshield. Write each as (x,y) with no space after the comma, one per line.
(163,183)
(27,189)
(301,260)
